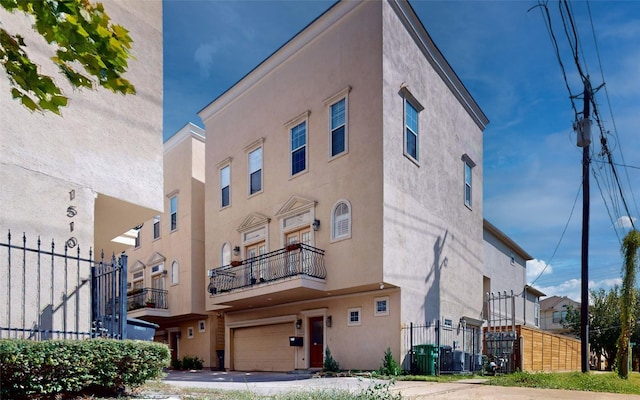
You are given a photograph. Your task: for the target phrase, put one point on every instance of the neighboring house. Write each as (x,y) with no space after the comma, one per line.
(553,312)
(82,178)
(166,266)
(344,196)
(505,290)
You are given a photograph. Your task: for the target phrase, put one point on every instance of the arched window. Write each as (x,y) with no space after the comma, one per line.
(341,220)
(225,258)
(175,272)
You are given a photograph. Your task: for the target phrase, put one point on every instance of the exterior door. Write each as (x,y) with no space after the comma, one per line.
(257,265)
(317,342)
(298,264)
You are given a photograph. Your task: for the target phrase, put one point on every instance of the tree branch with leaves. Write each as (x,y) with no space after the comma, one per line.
(630,248)
(82,34)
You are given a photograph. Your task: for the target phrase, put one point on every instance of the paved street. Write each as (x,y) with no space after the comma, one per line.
(272,383)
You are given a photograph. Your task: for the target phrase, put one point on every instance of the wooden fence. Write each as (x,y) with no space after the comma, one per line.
(545,351)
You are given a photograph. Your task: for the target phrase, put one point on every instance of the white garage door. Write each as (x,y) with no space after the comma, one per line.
(263,348)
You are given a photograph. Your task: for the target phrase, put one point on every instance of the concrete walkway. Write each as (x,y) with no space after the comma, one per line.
(268,383)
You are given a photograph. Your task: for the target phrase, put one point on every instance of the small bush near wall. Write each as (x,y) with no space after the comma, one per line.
(41,369)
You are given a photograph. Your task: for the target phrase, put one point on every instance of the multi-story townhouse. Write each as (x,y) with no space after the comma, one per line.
(166,265)
(505,291)
(82,178)
(343,196)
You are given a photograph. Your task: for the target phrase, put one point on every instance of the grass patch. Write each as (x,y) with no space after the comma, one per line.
(608,382)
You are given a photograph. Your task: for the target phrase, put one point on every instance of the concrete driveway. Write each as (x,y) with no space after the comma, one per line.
(270,383)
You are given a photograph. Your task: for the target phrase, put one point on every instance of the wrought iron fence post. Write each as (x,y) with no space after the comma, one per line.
(122,288)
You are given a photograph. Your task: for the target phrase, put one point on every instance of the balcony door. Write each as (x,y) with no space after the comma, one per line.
(298,264)
(257,266)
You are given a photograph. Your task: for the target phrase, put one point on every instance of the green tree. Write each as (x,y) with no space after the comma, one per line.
(630,246)
(604,323)
(82,36)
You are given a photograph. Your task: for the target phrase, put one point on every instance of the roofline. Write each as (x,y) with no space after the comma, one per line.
(506,239)
(534,291)
(279,56)
(416,28)
(189,130)
(334,13)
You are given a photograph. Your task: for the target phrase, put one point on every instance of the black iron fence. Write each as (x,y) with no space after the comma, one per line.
(295,259)
(432,349)
(60,295)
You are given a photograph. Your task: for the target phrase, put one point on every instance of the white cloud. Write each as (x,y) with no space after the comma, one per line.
(570,288)
(625,222)
(536,268)
(203,56)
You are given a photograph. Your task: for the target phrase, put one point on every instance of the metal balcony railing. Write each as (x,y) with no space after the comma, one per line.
(146,297)
(295,259)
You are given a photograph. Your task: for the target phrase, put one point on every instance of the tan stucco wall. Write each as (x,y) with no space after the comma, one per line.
(104,144)
(359,347)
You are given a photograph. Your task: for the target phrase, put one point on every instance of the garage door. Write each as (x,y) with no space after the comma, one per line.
(263,348)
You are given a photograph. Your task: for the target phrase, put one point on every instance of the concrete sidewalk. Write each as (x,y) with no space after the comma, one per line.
(269,383)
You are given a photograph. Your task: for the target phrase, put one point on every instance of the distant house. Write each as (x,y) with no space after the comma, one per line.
(505,290)
(553,312)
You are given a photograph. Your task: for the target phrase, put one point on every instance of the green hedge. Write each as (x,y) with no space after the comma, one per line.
(45,368)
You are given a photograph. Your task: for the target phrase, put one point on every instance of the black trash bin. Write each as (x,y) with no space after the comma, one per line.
(220,354)
(138,329)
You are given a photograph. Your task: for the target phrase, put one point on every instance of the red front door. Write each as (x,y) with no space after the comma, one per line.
(317,342)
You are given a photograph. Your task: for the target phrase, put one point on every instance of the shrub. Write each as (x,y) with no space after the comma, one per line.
(46,368)
(330,365)
(191,362)
(389,365)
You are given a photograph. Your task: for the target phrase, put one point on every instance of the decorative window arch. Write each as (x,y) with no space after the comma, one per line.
(225,254)
(341,220)
(175,272)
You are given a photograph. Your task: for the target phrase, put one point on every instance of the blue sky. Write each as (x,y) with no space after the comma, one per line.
(504,55)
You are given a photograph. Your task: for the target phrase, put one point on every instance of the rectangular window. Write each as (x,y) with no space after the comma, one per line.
(173,209)
(467,184)
(411,130)
(225,186)
(156,227)
(299,148)
(353,316)
(338,127)
(536,312)
(556,317)
(255,171)
(381,306)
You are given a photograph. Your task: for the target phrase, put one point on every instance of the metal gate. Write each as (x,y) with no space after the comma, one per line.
(60,295)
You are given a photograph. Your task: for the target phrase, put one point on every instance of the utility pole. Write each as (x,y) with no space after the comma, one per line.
(583,129)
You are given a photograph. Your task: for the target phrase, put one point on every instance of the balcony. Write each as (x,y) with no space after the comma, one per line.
(146,301)
(297,262)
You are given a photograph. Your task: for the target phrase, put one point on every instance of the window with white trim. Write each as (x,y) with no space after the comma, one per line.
(298,136)
(353,316)
(225,254)
(341,220)
(255,171)
(156,227)
(467,184)
(190,332)
(411,134)
(338,119)
(536,312)
(173,210)
(225,186)
(175,272)
(381,306)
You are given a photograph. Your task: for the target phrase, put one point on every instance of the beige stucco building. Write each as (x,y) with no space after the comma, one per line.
(166,265)
(86,177)
(358,145)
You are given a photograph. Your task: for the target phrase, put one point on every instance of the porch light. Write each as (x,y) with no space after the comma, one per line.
(316,224)
(298,323)
(329,321)
(236,250)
